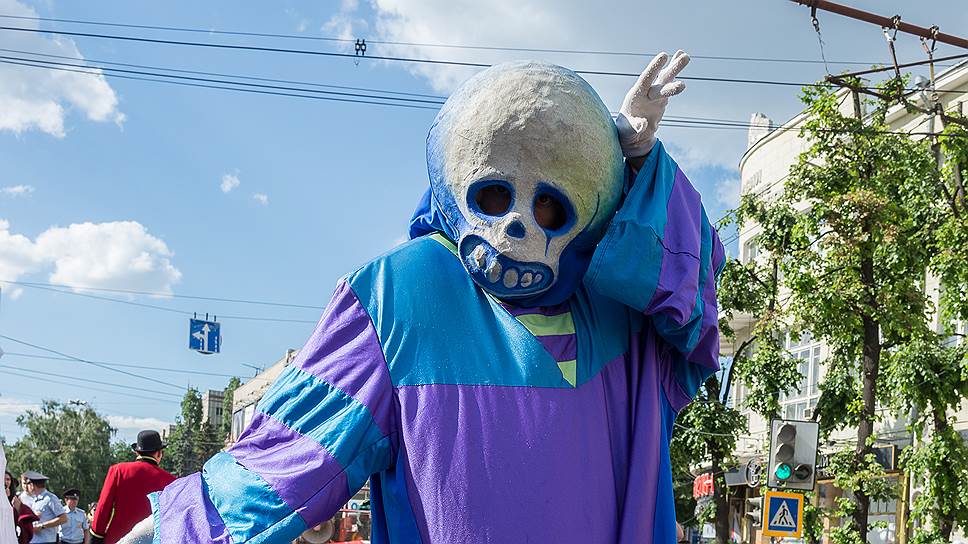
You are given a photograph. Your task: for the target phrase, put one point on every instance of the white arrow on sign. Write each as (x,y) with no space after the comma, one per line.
(203,336)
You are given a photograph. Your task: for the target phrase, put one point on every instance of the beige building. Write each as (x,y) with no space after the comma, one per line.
(763,170)
(212,406)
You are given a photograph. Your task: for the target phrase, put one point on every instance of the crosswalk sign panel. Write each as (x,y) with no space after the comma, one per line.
(782,514)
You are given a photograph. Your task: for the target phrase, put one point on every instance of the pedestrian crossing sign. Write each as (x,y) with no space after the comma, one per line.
(782,514)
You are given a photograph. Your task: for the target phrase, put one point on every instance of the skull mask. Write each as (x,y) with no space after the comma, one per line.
(529,137)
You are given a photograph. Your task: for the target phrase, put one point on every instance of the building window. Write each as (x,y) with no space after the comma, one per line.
(800,403)
(750,251)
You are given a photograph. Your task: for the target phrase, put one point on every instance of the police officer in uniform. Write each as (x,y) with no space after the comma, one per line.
(77,528)
(45,505)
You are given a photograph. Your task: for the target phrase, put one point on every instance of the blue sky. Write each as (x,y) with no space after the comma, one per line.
(114,183)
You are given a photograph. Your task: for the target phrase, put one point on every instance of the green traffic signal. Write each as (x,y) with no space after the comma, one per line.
(783,471)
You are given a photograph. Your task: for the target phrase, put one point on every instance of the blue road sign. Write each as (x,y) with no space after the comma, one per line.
(204,336)
(782,514)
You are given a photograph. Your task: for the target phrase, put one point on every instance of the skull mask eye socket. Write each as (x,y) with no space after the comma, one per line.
(549,212)
(492,198)
(552,210)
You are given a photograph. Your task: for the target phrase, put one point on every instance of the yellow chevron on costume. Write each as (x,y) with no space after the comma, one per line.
(569,371)
(548,325)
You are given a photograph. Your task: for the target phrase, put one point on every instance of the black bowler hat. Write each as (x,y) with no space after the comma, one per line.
(148,441)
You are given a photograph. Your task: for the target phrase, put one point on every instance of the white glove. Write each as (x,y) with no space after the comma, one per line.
(142,533)
(646,101)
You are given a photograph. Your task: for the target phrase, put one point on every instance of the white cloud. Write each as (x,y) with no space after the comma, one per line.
(12,407)
(261,198)
(727,192)
(18,254)
(39,99)
(119,254)
(16,190)
(229,182)
(131,423)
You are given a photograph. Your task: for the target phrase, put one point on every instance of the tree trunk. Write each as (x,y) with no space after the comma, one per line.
(946,522)
(871,364)
(721,521)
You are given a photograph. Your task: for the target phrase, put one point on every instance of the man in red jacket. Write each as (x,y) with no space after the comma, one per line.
(124,496)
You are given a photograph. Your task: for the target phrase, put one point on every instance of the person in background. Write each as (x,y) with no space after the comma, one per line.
(7,533)
(124,496)
(46,506)
(24,517)
(77,528)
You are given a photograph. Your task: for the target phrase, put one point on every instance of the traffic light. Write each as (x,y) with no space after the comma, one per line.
(754,511)
(793,454)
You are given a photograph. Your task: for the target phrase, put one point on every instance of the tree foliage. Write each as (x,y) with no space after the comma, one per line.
(192,441)
(844,250)
(70,444)
(707,434)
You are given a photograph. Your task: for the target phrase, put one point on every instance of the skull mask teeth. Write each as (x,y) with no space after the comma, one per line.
(534,133)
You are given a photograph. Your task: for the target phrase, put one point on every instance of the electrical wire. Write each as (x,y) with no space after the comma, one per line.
(241,86)
(138,366)
(219,74)
(265,49)
(221,87)
(415,44)
(436,102)
(92,363)
(53,378)
(165,295)
(163,308)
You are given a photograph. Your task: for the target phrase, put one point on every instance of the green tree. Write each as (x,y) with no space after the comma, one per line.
(707,433)
(121,452)
(182,457)
(928,380)
(227,400)
(850,237)
(70,444)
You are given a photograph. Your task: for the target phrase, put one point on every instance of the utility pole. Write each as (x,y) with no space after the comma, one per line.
(886,22)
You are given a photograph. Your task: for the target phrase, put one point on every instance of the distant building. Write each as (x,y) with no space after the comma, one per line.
(212,401)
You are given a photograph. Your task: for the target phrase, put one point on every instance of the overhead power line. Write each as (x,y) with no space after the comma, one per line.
(164,295)
(215,45)
(330,39)
(161,308)
(341,94)
(221,87)
(58,378)
(135,365)
(92,363)
(670,122)
(221,74)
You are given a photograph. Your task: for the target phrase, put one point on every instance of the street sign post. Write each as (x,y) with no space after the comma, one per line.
(782,514)
(204,336)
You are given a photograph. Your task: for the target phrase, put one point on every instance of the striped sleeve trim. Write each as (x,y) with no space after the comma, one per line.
(316,409)
(251,510)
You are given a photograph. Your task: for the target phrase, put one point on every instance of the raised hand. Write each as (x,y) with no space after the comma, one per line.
(646,101)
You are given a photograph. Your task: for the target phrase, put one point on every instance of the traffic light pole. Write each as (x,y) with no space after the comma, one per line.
(887,22)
